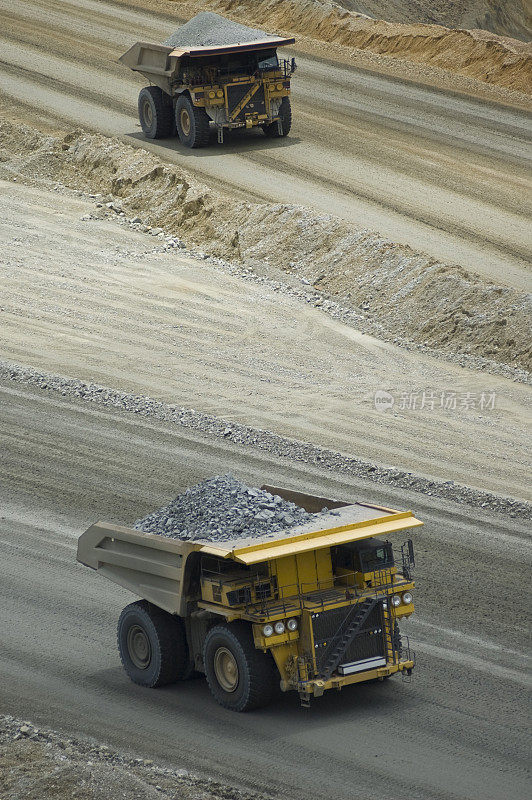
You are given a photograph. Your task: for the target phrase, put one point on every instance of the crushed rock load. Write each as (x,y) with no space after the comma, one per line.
(222,509)
(210,30)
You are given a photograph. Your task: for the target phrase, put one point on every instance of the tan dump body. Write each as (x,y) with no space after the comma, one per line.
(151,567)
(154,567)
(160,64)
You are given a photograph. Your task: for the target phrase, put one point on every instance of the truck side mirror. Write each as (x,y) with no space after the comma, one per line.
(294,65)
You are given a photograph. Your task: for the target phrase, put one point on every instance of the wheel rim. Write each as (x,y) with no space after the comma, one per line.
(226,669)
(184,118)
(139,647)
(147,113)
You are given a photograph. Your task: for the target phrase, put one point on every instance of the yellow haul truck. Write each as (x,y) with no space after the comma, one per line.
(308,609)
(243,85)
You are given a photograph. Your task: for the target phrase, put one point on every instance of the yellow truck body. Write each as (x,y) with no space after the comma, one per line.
(323,603)
(245,85)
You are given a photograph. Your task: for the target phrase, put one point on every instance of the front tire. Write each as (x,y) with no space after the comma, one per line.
(240,677)
(152,645)
(156,113)
(192,123)
(285,115)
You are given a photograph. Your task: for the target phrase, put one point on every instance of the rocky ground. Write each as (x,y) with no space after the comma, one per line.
(505,17)
(266,440)
(38,763)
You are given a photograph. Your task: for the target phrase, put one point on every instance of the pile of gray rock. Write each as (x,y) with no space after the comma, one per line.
(223,509)
(212,30)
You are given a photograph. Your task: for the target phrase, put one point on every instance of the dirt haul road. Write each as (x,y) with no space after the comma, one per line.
(443,173)
(457,730)
(88,297)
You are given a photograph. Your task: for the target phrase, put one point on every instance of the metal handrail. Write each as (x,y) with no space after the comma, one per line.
(211,75)
(319,595)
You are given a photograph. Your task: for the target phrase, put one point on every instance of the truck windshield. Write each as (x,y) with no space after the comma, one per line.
(268,60)
(377,558)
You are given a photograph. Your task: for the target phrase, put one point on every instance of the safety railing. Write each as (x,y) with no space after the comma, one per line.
(266,598)
(209,76)
(317,595)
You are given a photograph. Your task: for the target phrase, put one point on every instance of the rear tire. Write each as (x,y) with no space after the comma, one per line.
(240,677)
(152,645)
(285,115)
(192,123)
(156,113)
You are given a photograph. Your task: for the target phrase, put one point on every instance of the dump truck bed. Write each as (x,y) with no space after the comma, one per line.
(159,63)
(153,566)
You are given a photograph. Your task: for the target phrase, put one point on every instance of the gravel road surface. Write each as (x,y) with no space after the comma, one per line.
(457,730)
(441,172)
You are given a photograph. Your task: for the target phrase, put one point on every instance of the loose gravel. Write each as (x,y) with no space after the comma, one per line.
(222,509)
(37,763)
(210,30)
(280,446)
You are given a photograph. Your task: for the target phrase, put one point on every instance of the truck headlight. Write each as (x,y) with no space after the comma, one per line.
(268,630)
(279,87)
(292,624)
(407,598)
(212,94)
(219,93)
(279,627)
(396,600)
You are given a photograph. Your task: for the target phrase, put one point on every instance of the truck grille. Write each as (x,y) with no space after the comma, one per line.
(369,642)
(256,105)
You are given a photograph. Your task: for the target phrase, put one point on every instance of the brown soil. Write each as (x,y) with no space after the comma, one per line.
(505,17)
(477,53)
(407,294)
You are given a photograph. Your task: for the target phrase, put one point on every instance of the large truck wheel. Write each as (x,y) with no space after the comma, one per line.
(156,113)
(152,645)
(240,677)
(192,123)
(285,115)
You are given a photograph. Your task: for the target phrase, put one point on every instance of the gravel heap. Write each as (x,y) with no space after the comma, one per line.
(222,509)
(37,763)
(209,30)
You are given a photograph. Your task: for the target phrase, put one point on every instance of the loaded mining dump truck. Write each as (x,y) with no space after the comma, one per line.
(213,73)
(310,608)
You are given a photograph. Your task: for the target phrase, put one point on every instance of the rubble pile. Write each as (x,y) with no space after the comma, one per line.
(212,30)
(222,509)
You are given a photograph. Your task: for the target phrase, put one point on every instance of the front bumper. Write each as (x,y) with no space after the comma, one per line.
(317,687)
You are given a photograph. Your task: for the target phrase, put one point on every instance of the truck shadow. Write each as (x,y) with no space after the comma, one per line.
(348,703)
(235,142)
(193,697)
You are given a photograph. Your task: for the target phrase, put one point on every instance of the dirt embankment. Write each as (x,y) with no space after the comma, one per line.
(477,53)
(505,17)
(409,296)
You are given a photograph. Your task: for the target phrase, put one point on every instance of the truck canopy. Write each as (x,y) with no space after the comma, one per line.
(354,521)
